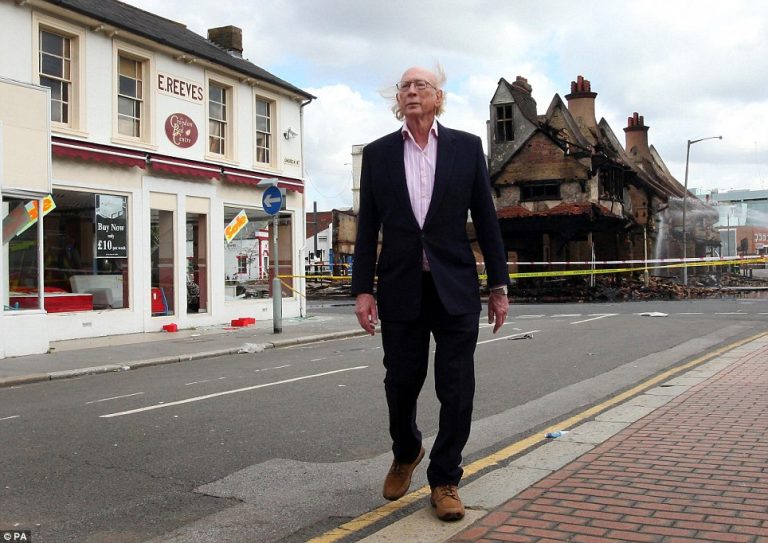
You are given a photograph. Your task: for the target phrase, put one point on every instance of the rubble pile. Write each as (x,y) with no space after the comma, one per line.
(607,288)
(321,290)
(630,288)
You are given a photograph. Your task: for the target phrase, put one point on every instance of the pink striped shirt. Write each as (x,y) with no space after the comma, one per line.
(420,173)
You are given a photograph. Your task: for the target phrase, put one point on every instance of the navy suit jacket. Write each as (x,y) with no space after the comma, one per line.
(461,186)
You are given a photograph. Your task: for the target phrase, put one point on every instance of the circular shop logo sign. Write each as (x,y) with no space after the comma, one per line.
(181,130)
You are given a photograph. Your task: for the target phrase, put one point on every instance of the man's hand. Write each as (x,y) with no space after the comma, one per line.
(498,307)
(366,312)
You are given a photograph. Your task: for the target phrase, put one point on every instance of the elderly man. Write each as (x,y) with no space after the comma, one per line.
(417,186)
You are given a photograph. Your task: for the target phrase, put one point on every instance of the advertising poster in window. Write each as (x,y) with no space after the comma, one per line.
(111,226)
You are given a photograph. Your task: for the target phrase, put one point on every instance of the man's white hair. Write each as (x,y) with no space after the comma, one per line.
(440,79)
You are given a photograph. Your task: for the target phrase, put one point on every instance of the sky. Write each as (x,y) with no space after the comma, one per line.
(693,69)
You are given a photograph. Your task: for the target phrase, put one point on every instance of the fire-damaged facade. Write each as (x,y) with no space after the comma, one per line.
(567,190)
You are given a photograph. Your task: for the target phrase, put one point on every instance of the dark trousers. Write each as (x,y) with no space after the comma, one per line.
(406,359)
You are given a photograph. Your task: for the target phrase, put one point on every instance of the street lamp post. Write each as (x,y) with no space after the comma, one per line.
(685,201)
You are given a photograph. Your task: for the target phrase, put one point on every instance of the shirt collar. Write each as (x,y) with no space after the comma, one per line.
(407,133)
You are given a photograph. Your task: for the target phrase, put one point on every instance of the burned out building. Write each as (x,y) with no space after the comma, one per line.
(566,189)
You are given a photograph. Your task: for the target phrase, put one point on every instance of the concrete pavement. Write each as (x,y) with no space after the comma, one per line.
(79,357)
(680,458)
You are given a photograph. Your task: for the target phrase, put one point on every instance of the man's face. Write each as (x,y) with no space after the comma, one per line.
(418,103)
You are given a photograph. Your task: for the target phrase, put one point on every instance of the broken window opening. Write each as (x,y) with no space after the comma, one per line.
(505,129)
(611,184)
(540,191)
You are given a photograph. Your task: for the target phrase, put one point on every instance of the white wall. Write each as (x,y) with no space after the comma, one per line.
(16,40)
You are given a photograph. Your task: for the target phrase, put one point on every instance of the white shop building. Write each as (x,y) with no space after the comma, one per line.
(131,152)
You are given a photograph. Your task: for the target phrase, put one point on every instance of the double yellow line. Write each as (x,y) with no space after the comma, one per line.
(369,519)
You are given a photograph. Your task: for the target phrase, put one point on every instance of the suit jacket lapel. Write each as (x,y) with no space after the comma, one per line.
(443,168)
(397,174)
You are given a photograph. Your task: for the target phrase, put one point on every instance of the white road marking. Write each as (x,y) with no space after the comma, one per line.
(227,392)
(12,417)
(529,316)
(596,317)
(734,313)
(204,381)
(274,368)
(507,337)
(690,313)
(565,315)
(114,398)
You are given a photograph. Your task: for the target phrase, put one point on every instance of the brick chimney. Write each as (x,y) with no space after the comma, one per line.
(522,84)
(581,104)
(229,38)
(637,137)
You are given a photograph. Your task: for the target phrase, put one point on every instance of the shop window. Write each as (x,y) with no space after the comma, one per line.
(265,110)
(161,233)
(246,249)
(86,249)
(197,263)
(20,253)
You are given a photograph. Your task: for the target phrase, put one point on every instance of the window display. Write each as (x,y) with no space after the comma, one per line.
(86,249)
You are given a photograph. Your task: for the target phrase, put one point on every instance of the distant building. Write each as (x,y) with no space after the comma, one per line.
(743,220)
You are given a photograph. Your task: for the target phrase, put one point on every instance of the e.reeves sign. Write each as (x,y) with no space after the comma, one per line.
(180,88)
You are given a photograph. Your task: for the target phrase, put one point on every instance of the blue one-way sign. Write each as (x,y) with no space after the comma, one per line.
(272,200)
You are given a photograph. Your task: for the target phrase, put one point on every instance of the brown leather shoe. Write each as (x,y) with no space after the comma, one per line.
(399,477)
(445,499)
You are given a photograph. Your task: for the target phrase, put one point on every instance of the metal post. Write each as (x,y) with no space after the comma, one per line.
(685,201)
(646,276)
(314,205)
(277,289)
(685,197)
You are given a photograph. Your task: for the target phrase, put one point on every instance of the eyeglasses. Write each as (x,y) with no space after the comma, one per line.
(419,84)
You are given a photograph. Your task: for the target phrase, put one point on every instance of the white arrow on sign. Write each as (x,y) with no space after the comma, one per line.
(269,200)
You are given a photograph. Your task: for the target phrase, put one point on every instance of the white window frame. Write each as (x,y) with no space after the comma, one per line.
(147,63)
(76,123)
(274,115)
(230,139)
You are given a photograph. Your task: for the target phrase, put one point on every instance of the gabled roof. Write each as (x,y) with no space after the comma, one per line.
(171,34)
(542,125)
(521,97)
(576,136)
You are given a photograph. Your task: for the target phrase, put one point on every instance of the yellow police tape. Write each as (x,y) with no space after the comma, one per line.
(566,273)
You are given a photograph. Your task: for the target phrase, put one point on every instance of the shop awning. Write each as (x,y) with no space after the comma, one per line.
(97,153)
(252,178)
(188,168)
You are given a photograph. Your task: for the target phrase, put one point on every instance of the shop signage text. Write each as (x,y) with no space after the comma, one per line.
(111,226)
(180,88)
(181,130)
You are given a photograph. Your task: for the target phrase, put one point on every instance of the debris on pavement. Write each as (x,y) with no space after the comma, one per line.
(251,348)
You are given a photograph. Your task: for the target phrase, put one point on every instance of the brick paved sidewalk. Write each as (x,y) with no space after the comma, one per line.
(695,469)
